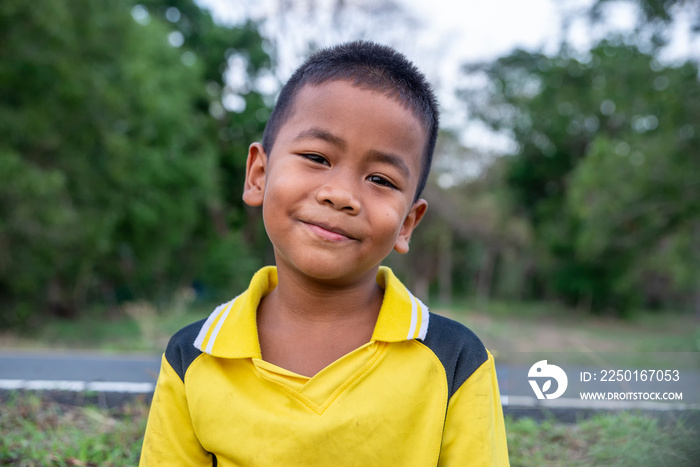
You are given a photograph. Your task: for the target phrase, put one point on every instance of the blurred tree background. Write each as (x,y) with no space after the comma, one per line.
(120,169)
(124,128)
(605,165)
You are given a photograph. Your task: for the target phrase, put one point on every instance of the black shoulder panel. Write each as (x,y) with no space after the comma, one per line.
(181,351)
(458,348)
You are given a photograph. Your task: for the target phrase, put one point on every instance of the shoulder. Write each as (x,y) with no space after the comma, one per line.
(181,351)
(460,351)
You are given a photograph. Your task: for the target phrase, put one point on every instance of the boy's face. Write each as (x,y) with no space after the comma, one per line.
(337,189)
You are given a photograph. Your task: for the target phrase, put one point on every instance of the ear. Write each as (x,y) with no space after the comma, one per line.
(409,224)
(255,170)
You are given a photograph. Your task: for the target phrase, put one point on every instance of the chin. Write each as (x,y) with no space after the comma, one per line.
(330,268)
(329,274)
(333,275)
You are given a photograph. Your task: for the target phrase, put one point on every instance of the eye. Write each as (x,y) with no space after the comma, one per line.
(318,159)
(378,180)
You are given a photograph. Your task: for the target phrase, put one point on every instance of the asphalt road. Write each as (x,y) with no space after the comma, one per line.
(75,371)
(123,375)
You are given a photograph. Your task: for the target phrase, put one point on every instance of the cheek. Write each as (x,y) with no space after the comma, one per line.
(278,189)
(272,207)
(391,223)
(281,198)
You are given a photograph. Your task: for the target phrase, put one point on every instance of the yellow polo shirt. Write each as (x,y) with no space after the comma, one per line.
(422,392)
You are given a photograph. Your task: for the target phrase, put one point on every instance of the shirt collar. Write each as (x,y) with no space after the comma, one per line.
(231,330)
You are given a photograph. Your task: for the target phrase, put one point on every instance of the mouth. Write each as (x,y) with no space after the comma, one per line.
(329,232)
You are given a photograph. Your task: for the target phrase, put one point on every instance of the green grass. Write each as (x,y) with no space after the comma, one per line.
(513,329)
(145,329)
(623,439)
(34,430)
(39,431)
(507,328)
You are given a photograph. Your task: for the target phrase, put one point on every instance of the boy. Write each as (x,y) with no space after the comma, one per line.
(327,359)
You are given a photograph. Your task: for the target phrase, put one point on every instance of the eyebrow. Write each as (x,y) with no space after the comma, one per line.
(392,160)
(318,133)
(374,155)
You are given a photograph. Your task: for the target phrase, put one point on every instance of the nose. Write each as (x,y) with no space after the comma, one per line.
(339,194)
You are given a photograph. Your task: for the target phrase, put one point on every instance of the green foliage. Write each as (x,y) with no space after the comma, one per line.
(622,439)
(605,165)
(117,159)
(38,431)
(215,46)
(656,15)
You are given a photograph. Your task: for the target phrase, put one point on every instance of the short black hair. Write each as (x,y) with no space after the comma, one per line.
(366,65)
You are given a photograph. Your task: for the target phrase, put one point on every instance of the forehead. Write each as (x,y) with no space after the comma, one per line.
(364,119)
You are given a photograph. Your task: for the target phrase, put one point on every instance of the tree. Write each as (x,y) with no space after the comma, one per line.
(604,166)
(108,154)
(653,15)
(236,106)
(469,231)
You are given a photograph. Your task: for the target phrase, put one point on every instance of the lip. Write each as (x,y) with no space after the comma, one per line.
(329,232)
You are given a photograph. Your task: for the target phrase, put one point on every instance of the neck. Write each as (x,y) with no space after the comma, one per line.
(302,299)
(304,325)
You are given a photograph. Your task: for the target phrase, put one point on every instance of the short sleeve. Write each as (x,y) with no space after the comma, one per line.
(170,439)
(474,433)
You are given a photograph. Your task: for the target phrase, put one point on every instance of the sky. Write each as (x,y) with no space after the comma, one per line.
(500,23)
(461,31)
(485,30)
(447,33)
(478,29)
(473,31)
(444,35)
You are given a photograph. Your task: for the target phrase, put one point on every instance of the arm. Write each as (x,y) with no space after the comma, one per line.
(170,438)
(474,431)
